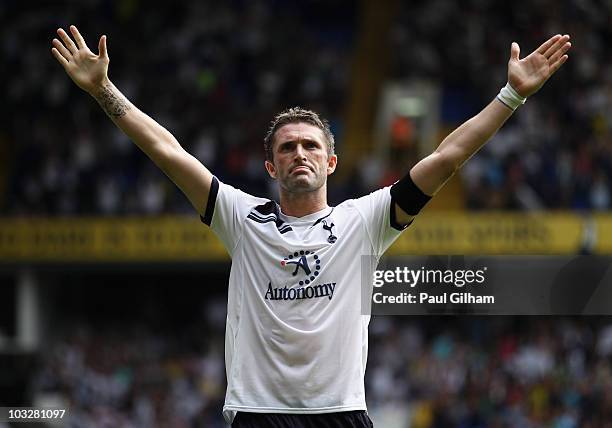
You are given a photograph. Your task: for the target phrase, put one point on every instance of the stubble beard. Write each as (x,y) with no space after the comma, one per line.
(299,184)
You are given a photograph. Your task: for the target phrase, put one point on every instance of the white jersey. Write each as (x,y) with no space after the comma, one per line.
(296,340)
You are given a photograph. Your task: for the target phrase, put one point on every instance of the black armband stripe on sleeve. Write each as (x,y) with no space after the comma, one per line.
(393,218)
(210,204)
(408,196)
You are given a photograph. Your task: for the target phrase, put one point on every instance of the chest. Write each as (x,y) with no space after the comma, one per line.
(303,252)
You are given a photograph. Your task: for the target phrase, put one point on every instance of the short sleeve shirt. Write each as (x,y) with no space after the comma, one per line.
(296,335)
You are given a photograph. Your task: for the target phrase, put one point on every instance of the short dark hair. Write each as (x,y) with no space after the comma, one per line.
(297,115)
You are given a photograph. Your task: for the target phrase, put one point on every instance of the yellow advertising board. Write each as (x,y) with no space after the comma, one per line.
(492,233)
(172,239)
(601,229)
(109,240)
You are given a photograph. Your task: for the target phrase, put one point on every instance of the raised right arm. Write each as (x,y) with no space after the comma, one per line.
(90,72)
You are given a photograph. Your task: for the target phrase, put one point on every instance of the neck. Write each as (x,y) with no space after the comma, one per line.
(301,204)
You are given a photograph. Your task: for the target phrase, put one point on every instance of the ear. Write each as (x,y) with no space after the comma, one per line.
(270,168)
(332,161)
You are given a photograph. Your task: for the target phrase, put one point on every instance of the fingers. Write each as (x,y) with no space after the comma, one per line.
(60,58)
(62,49)
(548,43)
(77,36)
(67,41)
(102,47)
(559,53)
(515,51)
(557,64)
(555,47)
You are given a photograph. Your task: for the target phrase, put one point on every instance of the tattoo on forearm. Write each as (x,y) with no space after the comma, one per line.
(113,104)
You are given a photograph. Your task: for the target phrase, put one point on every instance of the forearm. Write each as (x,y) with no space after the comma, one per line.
(467,139)
(146,133)
(158,144)
(525,77)
(432,172)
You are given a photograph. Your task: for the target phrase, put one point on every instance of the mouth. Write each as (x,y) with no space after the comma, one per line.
(300,169)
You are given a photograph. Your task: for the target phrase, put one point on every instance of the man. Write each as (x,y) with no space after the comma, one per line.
(296,340)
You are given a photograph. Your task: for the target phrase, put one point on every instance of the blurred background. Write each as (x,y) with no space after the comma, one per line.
(113,295)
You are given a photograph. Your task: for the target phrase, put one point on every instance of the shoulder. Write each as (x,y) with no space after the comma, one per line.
(224,200)
(239,196)
(266,211)
(379,196)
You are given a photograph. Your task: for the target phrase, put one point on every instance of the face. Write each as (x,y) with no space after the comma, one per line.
(301,162)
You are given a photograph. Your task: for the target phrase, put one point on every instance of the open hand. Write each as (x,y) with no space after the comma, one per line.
(527,75)
(85,68)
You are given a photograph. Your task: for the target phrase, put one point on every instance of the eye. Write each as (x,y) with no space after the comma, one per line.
(286,147)
(312,145)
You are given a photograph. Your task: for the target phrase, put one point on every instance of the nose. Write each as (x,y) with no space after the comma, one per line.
(300,153)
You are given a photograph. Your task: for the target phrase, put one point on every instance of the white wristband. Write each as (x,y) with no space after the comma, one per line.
(510,98)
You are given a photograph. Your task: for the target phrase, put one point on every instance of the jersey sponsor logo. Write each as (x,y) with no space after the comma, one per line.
(308,292)
(305,265)
(299,259)
(302,262)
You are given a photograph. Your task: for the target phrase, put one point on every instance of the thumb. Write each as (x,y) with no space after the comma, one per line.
(102,47)
(515,50)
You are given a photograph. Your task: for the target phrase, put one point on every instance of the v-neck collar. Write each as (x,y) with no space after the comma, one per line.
(309,218)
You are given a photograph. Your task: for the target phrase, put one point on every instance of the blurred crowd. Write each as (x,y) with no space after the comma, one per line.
(161,366)
(217,72)
(556,152)
(135,378)
(495,372)
(213,73)
(422,373)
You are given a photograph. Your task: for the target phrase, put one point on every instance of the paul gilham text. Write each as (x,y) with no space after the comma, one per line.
(467,298)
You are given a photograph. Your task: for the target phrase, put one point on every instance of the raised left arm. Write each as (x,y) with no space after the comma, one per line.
(525,77)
